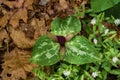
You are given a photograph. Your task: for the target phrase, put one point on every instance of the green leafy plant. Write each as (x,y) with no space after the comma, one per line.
(101,5)
(110,7)
(75,49)
(73,55)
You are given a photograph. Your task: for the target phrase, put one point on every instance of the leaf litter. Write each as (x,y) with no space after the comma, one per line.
(22,22)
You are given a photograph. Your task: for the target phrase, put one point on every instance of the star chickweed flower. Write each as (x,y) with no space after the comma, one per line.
(117,22)
(106,31)
(93,21)
(94,74)
(66,73)
(115,59)
(95,41)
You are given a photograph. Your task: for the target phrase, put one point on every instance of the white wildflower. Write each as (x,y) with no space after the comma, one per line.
(93,21)
(115,59)
(66,73)
(106,31)
(117,22)
(95,41)
(94,74)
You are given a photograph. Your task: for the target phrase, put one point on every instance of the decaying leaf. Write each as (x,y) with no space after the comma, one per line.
(39,25)
(20,14)
(3,36)
(62,5)
(28,4)
(19,38)
(4,20)
(12,4)
(16,65)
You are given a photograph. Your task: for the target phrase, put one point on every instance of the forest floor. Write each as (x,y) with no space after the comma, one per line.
(22,22)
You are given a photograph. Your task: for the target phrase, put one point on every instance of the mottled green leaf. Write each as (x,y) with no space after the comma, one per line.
(66,26)
(80,51)
(45,51)
(101,5)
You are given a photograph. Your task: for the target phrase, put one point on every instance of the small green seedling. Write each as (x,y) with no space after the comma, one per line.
(63,43)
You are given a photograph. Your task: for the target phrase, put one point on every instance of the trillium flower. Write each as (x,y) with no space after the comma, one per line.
(94,74)
(115,59)
(93,21)
(117,22)
(66,73)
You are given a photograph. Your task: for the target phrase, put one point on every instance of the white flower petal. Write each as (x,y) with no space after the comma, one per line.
(115,59)
(117,21)
(106,31)
(66,73)
(94,74)
(93,21)
(95,41)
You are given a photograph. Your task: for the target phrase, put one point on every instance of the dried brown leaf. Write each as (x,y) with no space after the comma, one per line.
(20,39)
(28,4)
(10,4)
(16,65)
(16,3)
(4,20)
(20,14)
(3,35)
(39,26)
(63,4)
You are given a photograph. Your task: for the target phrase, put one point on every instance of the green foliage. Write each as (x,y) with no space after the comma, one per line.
(114,11)
(80,51)
(64,27)
(88,56)
(101,5)
(45,51)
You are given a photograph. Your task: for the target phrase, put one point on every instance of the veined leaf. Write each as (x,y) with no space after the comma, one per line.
(101,5)
(64,27)
(80,51)
(45,51)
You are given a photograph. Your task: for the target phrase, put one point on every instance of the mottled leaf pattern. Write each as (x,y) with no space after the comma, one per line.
(80,51)
(64,27)
(45,51)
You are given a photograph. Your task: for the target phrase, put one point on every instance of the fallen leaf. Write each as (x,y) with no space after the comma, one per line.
(1,1)
(39,26)
(4,20)
(19,3)
(3,36)
(14,4)
(28,4)
(20,14)
(63,4)
(16,65)
(10,4)
(19,38)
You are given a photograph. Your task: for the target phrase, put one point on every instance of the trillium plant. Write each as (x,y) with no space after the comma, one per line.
(63,44)
(79,49)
